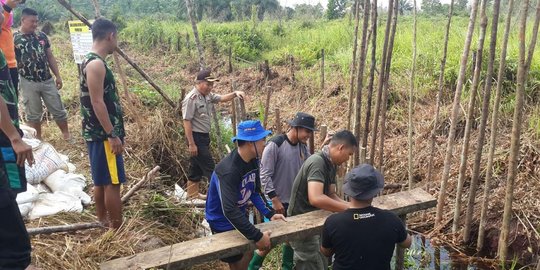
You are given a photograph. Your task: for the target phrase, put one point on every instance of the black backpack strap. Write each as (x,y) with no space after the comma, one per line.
(279,139)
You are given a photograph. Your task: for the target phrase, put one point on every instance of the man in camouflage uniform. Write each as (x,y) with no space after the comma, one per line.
(35,62)
(103,125)
(197,109)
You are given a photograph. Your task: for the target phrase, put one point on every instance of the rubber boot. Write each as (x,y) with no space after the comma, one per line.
(287,257)
(193,191)
(256,261)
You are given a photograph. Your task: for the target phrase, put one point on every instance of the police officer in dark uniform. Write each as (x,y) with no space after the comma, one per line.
(197,109)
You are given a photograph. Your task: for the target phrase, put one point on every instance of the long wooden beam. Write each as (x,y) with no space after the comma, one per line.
(226,244)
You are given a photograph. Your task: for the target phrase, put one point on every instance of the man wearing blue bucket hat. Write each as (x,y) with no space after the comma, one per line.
(363,236)
(234,183)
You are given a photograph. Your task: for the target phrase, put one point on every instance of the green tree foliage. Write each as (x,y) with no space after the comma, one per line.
(432,7)
(405,5)
(336,9)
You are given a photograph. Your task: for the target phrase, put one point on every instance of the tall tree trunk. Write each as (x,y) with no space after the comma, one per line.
(189,6)
(353,64)
(470,115)
(523,69)
(360,79)
(381,82)
(439,96)
(455,113)
(411,99)
(483,122)
(494,127)
(373,32)
(387,86)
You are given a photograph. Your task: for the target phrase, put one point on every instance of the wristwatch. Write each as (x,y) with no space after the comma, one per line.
(112,134)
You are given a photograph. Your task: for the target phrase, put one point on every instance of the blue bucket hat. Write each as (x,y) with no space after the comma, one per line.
(251,131)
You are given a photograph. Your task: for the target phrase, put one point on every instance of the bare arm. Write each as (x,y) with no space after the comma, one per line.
(231,96)
(407,243)
(318,199)
(54,67)
(328,252)
(23,150)
(333,194)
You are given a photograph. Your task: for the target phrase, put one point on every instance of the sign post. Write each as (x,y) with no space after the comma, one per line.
(81,40)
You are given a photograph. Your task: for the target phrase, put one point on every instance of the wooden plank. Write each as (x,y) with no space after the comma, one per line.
(226,244)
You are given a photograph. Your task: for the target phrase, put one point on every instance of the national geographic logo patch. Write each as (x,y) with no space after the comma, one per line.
(363,216)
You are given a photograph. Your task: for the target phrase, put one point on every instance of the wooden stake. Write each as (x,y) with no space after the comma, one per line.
(373,32)
(323,132)
(360,81)
(482,129)
(523,70)
(293,79)
(382,77)
(386,86)
(311,145)
(439,97)
(494,127)
(121,53)
(233,117)
(353,64)
(470,113)
(230,60)
(412,89)
(278,121)
(455,113)
(146,178)
(267,106)
(322,69)
(202,62)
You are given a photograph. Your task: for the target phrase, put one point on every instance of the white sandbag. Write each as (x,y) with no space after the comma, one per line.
(31,194)
(62,181)
(25,208)
(28,132)
(52,203)
(71,167)
(42,188)
(64,158)
(47,161)
(34,143)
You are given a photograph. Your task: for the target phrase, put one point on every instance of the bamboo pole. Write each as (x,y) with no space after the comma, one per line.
(202,62)
(373,32)
(494,130)
(322,69)
(470,114)
(381,82)
(439,97)
(386,86)
(353,64)
(267,106)
(360,80)
(121,53)
(483,122)
(411,99)
(64,228)
(455,111)
(523,69)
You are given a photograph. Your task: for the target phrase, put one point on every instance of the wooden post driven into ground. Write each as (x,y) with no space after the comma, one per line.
(193,252)
(121,53)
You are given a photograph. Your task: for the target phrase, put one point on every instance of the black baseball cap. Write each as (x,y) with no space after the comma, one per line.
(206,75)
(363,182)
(303,120)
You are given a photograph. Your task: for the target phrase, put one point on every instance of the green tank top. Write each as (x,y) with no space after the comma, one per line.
(91,127)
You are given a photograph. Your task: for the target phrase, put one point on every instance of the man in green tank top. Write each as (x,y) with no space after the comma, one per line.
(103,125)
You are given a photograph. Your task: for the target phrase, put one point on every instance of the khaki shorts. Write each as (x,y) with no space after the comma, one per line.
(34,92)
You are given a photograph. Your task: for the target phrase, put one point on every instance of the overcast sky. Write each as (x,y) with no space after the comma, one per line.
(291,3)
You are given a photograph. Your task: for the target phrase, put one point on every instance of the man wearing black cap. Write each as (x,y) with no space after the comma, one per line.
(197,109)
(363,236)
(282,158)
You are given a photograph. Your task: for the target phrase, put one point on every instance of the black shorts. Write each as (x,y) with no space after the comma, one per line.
(231,259)
(14,240)
(202,164)
(15,79)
